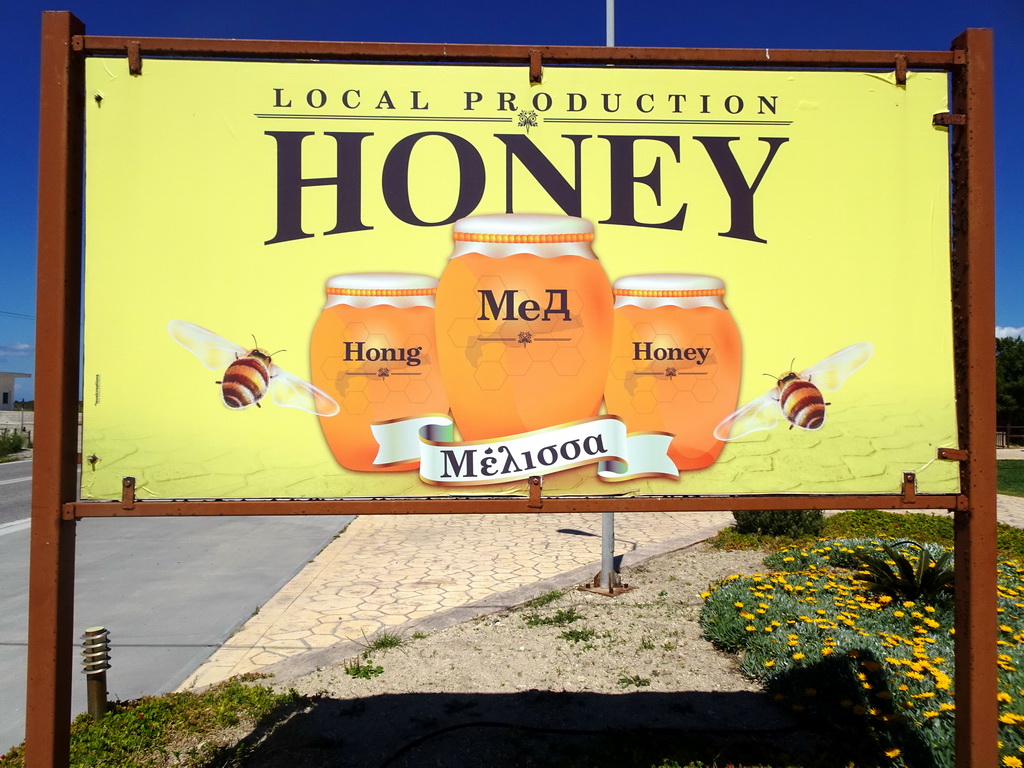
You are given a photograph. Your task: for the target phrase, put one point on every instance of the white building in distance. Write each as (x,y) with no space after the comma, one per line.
(7,379)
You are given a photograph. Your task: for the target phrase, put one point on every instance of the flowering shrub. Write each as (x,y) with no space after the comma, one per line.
(824,645)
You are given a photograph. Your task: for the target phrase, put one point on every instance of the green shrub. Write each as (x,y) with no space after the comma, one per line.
(780,522)
(831,649)
(908,576)
(11,442)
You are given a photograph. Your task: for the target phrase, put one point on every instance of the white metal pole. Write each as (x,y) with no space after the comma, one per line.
(608,518)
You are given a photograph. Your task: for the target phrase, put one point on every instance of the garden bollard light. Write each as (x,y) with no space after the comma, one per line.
(95,664)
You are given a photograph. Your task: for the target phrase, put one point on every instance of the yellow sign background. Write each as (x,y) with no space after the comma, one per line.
(181,199)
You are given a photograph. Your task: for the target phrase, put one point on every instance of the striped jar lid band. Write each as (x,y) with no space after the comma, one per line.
(479,237)
(381,291)
(669,294)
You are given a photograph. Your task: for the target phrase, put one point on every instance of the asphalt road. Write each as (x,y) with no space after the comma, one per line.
(15,490)
(170,590)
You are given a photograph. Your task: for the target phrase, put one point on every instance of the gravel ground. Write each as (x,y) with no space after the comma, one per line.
(505,690)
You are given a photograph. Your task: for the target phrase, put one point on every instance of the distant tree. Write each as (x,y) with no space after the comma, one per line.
(1010,381)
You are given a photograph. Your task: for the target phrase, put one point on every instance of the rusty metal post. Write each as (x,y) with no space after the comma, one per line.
(974,335)
(58,308)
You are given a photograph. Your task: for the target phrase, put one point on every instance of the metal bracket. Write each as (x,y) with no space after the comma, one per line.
(901,69)
(536,70)
(949,118)
(134,57)
(953,454)
(909,487)
(614,588)
(127,493)
(536,483)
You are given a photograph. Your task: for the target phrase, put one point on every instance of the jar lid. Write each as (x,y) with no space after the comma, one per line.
(524,228)
(381,284)
(669,286)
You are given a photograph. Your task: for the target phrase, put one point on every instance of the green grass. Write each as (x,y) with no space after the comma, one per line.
(385,641)
(542,600)
(559,619)
(1010,477)
(176,729)
(578,635)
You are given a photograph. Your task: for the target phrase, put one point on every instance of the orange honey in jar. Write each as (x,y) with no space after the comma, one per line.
(675,363)
(373,351)
(524,324)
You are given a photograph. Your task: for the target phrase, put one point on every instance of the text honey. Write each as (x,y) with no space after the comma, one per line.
(373,351)
(675,364)
(524,322)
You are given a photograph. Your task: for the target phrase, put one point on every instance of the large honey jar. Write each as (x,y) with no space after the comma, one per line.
(675,363)
(373,351)
(524,322)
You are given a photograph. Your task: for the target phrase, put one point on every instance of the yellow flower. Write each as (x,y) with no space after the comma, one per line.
(1004,696)
(705,595)
(892,752)
(1012,762)
(738,604)
(770,663)
(797,656)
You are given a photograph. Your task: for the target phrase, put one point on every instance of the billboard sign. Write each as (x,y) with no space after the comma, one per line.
(335,280)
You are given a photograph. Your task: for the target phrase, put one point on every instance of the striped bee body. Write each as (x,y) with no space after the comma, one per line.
(797,396)
(249,374)
(246,380)
(801,402)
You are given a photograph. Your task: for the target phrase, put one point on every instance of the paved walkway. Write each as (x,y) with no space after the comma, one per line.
(385,571)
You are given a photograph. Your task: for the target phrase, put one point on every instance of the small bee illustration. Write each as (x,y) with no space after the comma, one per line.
(249,373)
(797,396)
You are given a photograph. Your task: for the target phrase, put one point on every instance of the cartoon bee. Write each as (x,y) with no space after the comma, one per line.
(797,395)
(249,373)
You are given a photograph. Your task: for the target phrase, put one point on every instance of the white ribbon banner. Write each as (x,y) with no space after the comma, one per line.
(600,440)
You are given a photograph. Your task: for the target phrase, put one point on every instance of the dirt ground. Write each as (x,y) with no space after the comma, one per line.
(583,680)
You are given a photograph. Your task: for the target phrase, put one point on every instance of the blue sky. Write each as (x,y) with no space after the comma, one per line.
(916,25)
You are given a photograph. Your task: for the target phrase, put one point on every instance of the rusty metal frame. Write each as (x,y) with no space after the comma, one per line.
(55,504)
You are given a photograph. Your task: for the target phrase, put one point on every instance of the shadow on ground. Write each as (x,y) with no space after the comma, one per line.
(543,729)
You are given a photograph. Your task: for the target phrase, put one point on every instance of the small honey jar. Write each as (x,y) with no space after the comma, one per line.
(675,364)
(524,323)
(373,351)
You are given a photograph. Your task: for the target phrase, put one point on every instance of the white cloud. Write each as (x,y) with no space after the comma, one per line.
(16,350)
(1007,332)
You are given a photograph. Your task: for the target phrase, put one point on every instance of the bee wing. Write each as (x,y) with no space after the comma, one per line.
(292,392)
(213,351)
(830,373)
(760,413)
